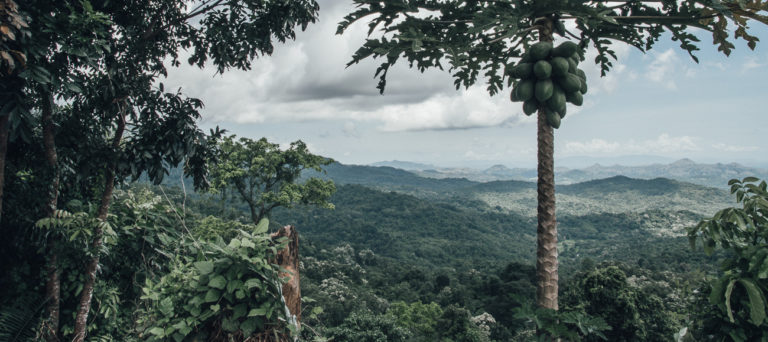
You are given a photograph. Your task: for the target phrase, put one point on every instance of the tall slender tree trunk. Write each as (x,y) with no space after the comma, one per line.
(546,232)
(81,320)
(4,123)
(53,281)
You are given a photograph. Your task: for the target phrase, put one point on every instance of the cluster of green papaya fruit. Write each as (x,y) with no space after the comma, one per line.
(547,77)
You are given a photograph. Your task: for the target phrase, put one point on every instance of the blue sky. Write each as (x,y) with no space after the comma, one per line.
(658,106)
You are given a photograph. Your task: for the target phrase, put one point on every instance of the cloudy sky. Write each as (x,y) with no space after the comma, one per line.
(651,107)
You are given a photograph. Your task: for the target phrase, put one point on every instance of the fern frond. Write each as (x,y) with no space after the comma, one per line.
(18,322)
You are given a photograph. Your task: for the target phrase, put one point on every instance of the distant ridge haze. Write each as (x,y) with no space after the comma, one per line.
(686,170)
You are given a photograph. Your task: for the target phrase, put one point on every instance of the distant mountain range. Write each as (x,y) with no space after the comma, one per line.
(456,222)
(685,170)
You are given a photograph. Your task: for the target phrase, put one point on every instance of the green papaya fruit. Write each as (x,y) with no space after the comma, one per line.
(583,88)
(572,65)
(553,119)
(569,82)
(575,97)
(566,49)
(525,90)
(581,74)
(513,95)
(530,107)
(543,89)
(560,66)
(522,70)
(557,101)
(542,69)
(540,50)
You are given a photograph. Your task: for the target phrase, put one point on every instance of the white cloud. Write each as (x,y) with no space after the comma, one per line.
(660,70)
(663,144)
(592,146)
(751,63)
(463,109)
(734,148)
(611,81)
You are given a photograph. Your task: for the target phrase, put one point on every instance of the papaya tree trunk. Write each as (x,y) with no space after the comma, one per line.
(81,320)
(53,281)
(546,232)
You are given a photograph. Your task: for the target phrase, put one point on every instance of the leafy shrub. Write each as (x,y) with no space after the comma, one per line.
(563,325)
(738,296)
(364,326)
(218,291)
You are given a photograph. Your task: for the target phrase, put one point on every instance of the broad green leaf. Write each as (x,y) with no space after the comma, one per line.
(262,227)
(211,296)
(218,282)
(262,311)
(166,306)
(253,282)
(756,301)
(249,326)
(239,310)
(204,267)
(230,324)
(750,179)
(234,285)
(157,331)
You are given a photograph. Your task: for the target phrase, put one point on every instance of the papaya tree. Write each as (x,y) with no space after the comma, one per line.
(502,41)
(265,177)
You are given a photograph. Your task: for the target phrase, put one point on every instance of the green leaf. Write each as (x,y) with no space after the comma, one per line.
(763,271)
(262,311)
(157,331)
(239,310)
(728,291)
(211,296)
(204,267)
(262,227)
(218,282)
(750,179)
(756,301)
(253,282)
(166,307)
(249,326)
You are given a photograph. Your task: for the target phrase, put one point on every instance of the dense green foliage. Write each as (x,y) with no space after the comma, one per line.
(738,296)
(83,109)
(216,290)
(265,177)
(409,267)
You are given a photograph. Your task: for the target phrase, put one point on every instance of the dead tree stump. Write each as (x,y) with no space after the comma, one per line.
(288,259)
